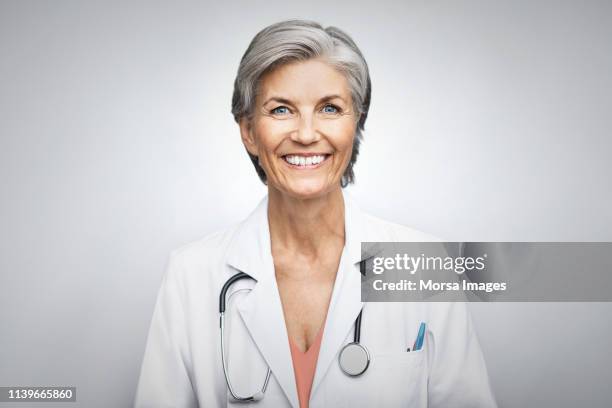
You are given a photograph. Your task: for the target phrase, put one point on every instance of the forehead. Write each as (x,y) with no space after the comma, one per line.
(304,80)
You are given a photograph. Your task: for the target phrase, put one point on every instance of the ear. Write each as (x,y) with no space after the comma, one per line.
(248,137)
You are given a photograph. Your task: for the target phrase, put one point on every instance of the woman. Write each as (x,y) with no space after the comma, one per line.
(301,99)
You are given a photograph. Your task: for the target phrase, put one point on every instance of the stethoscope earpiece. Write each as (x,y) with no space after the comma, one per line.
(258,396)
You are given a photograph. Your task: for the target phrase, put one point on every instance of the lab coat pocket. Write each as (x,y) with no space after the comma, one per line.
(406,362)
(402,377)
(393,379)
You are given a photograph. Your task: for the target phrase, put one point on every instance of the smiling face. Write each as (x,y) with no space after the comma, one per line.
(302,128)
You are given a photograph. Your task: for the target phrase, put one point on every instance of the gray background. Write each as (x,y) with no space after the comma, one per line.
(489,122)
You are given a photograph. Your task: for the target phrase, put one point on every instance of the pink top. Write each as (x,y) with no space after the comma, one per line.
(304,366)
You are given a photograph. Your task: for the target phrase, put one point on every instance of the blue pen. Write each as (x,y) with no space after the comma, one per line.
(418,343)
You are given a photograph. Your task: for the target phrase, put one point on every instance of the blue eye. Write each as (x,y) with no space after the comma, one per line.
(281,110)
(330,109)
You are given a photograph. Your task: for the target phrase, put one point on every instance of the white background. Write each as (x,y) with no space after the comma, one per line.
(490,121)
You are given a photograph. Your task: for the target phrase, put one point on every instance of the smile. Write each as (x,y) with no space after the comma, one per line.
(303,161)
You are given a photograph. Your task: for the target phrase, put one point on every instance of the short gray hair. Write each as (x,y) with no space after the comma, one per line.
(299,40)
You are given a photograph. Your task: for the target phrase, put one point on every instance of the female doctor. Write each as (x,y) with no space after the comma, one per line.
(294,332)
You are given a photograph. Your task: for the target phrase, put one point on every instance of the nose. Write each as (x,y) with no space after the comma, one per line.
(306,131)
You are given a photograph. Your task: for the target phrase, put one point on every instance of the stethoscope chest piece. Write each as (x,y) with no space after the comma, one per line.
(354,359)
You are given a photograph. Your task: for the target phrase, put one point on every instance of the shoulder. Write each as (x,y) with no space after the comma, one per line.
(200,257)
(379,229)
(209,246)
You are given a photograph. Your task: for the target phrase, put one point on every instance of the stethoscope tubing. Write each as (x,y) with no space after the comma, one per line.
(222,303)
(259,395)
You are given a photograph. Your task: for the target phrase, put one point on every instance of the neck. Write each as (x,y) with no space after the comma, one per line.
(308,226)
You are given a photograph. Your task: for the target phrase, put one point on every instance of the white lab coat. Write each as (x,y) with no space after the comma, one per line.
(182,363)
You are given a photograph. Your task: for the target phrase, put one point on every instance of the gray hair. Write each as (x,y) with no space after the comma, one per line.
(299,40)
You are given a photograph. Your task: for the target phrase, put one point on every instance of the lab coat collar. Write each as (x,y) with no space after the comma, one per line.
(261,309)
(251,241)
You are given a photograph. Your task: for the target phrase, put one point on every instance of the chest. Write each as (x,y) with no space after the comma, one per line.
(305,291)
(394,378)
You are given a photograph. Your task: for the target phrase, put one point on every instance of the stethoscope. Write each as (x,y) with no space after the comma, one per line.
(354,358)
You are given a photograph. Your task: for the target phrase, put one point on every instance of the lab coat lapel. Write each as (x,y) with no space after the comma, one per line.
(346,301)
(261,309)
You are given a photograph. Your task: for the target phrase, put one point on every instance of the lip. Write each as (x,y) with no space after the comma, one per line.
(306,154)
(307,167)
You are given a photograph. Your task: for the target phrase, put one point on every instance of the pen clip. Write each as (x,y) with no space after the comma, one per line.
(418,342)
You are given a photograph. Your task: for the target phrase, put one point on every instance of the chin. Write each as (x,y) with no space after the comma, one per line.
(307,189)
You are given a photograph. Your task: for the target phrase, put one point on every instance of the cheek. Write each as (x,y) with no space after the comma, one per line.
(267,135)
(341,135)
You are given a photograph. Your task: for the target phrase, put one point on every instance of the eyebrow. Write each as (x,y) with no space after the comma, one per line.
(289,102)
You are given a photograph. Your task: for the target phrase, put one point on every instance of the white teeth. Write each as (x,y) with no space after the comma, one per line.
(317,159)
(304,161)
